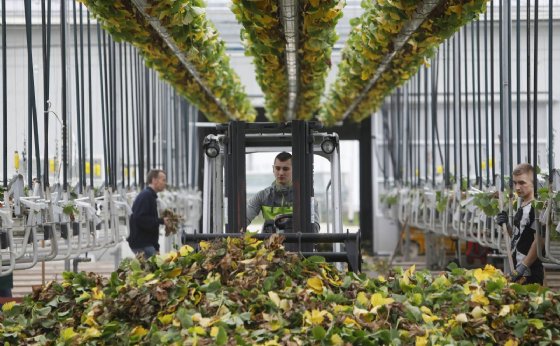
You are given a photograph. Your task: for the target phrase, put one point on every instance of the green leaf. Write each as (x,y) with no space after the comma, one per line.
(319,332)
(221,338)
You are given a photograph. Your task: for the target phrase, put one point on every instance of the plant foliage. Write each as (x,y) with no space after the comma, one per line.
(196,37)
(372,40)
(249,292)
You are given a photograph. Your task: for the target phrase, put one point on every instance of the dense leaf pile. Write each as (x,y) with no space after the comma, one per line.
(174,220)
(250,292)
(371,42)
(196,37)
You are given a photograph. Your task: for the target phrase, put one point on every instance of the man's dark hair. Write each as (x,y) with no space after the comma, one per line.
(153,174)
(283,157)
(524,168)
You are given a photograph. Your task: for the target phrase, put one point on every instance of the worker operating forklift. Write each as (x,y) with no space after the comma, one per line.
(275,202)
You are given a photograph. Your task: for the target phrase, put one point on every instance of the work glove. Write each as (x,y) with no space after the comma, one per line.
(518,272)
(502,218)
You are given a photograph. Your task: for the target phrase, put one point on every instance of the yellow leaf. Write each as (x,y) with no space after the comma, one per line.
(165,319)
(138,331)
(336,340)
(274,297)
(426,310)
(8,306)
(479,297)
(478,312)
(381,278)
(185,250)
(91,333)
(378,300)
(198,330)
(204,245)
(175,272)
(511,342)
(214,331)
(315,317)
(170,256)
(349,321)
(97,293)
(455,9)
(427,318)
(316,284)
(421,340)
(462,317)
(68,334)
(314,3)
(362,299)
(506,309)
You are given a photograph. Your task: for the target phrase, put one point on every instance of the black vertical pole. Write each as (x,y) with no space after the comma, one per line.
(518,74)
(46,35)
(535,91)
(529,81)
(236,179)
(147,118)
(366,183)
(64,92)
(90,109)
(4,97)
(78,106)
(550,125)
(83,101)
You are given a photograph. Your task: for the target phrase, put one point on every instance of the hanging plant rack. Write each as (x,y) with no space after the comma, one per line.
(216,90)
(388,44)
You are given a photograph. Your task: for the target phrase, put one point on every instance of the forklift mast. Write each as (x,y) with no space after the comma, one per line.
(225,193)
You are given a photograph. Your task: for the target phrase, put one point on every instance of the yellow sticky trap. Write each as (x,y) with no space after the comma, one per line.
(483,164)
(97,170)
(439,169)
(51,165)
(16,160)
(88,167)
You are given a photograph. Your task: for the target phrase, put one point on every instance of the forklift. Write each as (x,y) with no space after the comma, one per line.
(225,195)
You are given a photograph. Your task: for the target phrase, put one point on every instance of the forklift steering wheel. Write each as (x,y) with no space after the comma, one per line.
(283,221)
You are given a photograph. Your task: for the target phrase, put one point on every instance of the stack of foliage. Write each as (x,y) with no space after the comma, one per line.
(186,23)
(264,40)
(372,41)
(249,292)
(174,220)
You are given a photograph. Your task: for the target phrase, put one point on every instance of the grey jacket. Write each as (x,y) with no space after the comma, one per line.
(277,196)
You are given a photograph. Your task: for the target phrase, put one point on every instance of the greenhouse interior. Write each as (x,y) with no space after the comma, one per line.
(414,195)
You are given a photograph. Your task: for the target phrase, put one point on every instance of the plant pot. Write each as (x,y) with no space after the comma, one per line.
(64,229)
(3,240)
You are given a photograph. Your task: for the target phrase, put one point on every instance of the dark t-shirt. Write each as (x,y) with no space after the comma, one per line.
(524,230)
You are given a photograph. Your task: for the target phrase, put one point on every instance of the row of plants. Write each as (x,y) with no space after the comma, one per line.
(248,292)
(371,42)
(196,37)
(264,40)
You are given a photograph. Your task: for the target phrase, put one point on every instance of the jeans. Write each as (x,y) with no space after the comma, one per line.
(146,251)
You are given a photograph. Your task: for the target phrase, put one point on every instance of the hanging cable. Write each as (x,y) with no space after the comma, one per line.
(126,115)
(467,146)
(550,125)
(46,43)
(113,113)
(135,113)
(460,138)
(121,103)
(535,95)
(64,96)
(479,108)
(504,170)
(435,130)
(4,97)
(447,120)
(492,105)
(425,69)
(102,56)
(518,74)
(147,117)
(33,126)
(78,108)
(90,105)
(529,142)
(140,127)
(486,113)
(82,98)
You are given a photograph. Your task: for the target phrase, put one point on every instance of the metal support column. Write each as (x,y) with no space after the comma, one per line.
(236,191)
(302,176)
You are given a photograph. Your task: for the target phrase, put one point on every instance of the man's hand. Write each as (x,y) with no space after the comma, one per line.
(518,272)
(502,218)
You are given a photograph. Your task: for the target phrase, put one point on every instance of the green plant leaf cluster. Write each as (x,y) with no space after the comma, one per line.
(371,40)
(196,37)
(264,40)
(488,202)
(249,292)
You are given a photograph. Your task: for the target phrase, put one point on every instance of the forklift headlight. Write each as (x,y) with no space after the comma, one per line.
(328,145)
(212,149)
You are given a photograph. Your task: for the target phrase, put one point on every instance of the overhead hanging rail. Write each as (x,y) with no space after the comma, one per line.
(183,57)
(289,14)
(291,43)
(386,47)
